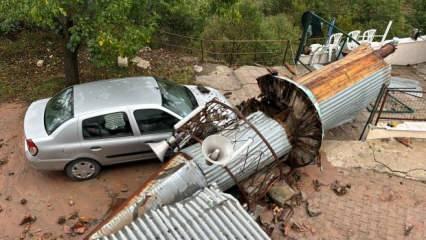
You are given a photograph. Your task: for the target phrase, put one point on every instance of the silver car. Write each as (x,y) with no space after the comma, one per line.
(90,125)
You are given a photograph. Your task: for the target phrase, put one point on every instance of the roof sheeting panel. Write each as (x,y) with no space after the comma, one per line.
(207,214)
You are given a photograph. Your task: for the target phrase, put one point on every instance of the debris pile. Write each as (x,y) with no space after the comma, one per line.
(286,124)
(75,224)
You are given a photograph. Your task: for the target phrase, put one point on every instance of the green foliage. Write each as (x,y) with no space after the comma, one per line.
(108,27)
(248,20)
(181,16)
(120,27)
(417,16)
(242,20)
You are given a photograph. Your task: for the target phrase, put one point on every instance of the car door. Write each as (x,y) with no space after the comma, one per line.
(154,124)
(109,138)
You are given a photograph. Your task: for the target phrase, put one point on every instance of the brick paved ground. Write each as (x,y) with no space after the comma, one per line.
(377,206)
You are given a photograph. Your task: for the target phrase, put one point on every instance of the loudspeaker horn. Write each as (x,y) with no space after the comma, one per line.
(219,150)
(160,148)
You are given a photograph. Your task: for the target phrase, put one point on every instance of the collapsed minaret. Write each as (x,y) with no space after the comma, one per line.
(285,123)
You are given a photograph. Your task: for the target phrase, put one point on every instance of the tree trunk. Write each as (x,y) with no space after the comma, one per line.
(70,55)
(71,66)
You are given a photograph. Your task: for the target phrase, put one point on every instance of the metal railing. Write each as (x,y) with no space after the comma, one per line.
(397,104)
(402,104)
(233,52)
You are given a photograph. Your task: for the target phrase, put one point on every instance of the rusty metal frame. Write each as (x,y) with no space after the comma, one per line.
(405,91)
(380,103)
(187,130)
(240,116)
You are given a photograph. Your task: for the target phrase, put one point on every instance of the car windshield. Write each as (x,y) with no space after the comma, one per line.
(59,109)
(176,98)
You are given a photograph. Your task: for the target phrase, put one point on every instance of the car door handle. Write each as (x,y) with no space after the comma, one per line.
(95,148)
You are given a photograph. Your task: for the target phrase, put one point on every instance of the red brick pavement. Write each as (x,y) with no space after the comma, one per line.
(377,206)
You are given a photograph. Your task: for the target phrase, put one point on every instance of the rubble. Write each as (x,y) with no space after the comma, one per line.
(407,229)
(266,217)
(143,64)
(145,49)
(281,193)
(198,68)
(75,224)
(61,220)
(122,62)
(317,185)
(136,60)
(312,209)
(124,188)
(28,219)
(40,63)
(73,215)
(67,229)
(340,189)
(79,227)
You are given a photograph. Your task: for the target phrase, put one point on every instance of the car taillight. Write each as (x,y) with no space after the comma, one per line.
(32,148)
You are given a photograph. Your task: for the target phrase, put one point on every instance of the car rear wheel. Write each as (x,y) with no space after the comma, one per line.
(82,169)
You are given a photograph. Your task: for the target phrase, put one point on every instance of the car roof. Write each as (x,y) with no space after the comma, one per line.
(104,94)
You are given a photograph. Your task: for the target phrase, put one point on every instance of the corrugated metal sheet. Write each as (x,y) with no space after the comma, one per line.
(345,105)
(166,188)
(256,157)
(207,214)
(196,174)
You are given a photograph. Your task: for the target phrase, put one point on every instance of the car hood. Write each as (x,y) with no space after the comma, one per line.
(203,98)
(34,120)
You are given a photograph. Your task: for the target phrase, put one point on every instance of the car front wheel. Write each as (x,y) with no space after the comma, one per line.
(82,169)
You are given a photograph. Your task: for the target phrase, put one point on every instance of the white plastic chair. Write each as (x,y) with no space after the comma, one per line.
(368,36)
(334,44)
(351,44)
(316,50)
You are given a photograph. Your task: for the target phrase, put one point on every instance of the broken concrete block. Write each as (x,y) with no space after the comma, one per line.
(122,61)
(198,68)
(312,209)
(40,63)
(136,60)
(144,64)
(281,193)
(266,217)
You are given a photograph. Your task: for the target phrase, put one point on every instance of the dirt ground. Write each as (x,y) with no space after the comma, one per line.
(50,195)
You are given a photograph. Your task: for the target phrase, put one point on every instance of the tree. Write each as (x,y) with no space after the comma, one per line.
(107,27)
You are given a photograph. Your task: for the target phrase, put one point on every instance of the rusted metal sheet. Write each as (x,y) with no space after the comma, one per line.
(343,74)
(323,99)
(207,214)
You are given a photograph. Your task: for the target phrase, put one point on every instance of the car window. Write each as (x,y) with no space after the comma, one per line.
(59,109)
(107,126)
(176,98)
(154,120)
